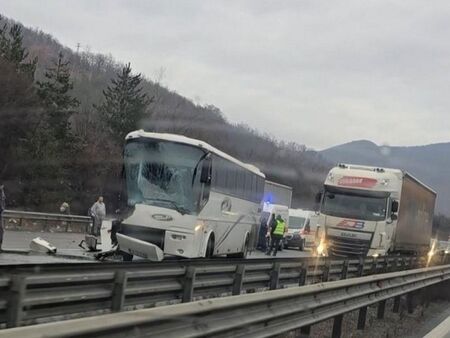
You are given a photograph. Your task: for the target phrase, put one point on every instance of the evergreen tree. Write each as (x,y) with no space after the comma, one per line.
(52,148)
(124,104)
(12,50)
(54,93)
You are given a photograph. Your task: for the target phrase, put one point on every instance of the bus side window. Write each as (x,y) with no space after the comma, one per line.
(220,171)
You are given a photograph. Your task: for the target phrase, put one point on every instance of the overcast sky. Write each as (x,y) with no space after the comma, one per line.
(316,72)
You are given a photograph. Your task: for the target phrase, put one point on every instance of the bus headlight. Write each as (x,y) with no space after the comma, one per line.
(198,227)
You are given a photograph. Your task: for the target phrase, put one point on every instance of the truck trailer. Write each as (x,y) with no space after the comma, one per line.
(276,193)
(374,211)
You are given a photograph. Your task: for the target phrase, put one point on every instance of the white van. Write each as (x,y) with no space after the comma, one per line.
(302,229)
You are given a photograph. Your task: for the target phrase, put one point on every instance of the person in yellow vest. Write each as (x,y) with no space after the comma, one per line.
(277,230)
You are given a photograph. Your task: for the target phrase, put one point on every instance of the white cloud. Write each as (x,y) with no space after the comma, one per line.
(317,72)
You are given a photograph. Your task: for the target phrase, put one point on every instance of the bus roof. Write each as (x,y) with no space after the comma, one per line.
(193,142)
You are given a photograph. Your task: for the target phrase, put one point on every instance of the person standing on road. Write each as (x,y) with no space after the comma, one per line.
(65,208)
(98,213)
(262,240)
(277,231)
(2,208)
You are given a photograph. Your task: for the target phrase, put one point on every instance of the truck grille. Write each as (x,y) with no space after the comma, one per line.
(345,247)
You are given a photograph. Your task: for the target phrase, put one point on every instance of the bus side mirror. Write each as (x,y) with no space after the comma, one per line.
(205,175)
(394,206)
(318,197)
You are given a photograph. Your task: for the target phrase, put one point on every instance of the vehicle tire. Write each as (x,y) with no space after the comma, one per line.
(302,245)
(210,247)
(126,256)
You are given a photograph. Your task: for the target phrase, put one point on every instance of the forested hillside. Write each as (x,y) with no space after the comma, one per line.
(62,119)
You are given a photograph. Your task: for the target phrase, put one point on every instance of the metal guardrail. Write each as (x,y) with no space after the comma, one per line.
(264,314)
(64,220)
(37,293)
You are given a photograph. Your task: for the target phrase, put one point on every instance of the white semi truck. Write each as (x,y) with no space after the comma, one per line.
(373,211)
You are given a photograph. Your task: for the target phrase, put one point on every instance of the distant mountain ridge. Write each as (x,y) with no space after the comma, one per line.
(428,163)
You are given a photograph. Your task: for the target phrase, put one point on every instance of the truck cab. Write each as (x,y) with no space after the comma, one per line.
(357,211)
(373,211)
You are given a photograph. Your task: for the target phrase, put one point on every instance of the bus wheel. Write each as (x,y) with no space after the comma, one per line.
(210,247)
(126,256)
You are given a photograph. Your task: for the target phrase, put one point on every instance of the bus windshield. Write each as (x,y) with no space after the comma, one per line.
(162,173)
(343,204)
(296,222)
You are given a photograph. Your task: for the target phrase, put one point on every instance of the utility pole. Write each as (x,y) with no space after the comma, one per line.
(78,47)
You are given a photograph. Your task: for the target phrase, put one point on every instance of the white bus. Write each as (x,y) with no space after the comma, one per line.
(188,199)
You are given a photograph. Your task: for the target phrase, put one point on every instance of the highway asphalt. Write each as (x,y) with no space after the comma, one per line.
(67,245)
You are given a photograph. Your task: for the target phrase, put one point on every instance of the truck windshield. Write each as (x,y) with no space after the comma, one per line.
(296,222)
(162,173)
(367,208)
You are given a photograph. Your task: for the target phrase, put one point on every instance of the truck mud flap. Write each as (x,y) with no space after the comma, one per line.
(140,248)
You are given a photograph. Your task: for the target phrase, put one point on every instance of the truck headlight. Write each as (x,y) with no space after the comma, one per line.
(321,248)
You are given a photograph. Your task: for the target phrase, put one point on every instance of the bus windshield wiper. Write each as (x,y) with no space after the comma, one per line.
(182,210)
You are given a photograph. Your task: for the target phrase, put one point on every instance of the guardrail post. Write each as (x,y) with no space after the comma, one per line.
(409,302)
(337,326)
(326,271)
(118,294)
(374,266)
(362,318)
(188,289)
(303,274)
(395,264)
(17,293)
(361,266)
(305,331)
(386,264)
(238,279)
(396,307)
(381,308)
(275,276)
(344,269)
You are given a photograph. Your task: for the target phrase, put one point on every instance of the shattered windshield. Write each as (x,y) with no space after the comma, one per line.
(162,173)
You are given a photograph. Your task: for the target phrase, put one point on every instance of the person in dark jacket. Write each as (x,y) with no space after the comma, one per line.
(277,230)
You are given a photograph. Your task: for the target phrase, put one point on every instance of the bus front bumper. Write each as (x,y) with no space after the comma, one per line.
(140,248)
